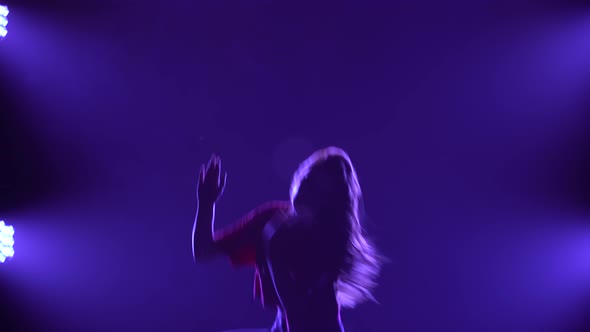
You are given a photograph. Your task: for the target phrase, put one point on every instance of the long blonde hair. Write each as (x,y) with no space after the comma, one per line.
(361,264)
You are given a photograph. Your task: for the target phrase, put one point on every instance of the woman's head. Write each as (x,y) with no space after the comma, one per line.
(326,188)
(325,182)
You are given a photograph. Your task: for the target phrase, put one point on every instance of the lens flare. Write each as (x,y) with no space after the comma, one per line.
(6,241)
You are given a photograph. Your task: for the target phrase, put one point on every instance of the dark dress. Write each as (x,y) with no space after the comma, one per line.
(292,259)
(303,264)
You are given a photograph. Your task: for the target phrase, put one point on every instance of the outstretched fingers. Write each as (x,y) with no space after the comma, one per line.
(217,165)
(202,174)
(211,161)
(210,170)
(212,175)
(222,183)
(221,176)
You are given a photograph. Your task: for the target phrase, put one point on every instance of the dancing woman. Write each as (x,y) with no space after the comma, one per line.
(310,255)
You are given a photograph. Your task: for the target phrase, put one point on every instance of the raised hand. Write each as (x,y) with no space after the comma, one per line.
(211,181)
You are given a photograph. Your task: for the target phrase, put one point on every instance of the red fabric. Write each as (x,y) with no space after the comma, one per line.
(238,241)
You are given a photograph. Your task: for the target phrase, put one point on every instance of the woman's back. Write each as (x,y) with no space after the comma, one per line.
(304,265)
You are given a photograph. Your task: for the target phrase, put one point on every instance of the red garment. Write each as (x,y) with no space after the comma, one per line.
(240,242)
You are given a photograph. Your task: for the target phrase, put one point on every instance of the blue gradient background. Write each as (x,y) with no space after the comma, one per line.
(468,122)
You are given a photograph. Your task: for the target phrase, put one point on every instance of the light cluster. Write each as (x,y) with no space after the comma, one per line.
(6,241)
(3,21)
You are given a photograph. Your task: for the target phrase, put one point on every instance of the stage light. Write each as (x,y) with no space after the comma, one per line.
(6,241)
(3,21)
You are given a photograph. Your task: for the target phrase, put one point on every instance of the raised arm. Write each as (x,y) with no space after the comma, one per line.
(204,246)
(237,241)
(209,188)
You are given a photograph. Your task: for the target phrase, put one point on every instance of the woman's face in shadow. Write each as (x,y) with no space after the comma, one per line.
(306,197)
(323,187)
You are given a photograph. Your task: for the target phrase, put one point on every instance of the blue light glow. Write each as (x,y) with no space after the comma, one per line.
(3,21)
(6,241)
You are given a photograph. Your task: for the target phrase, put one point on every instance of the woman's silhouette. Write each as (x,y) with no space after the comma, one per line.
(310,255)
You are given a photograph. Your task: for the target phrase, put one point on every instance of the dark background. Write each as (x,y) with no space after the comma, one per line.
(468,123)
